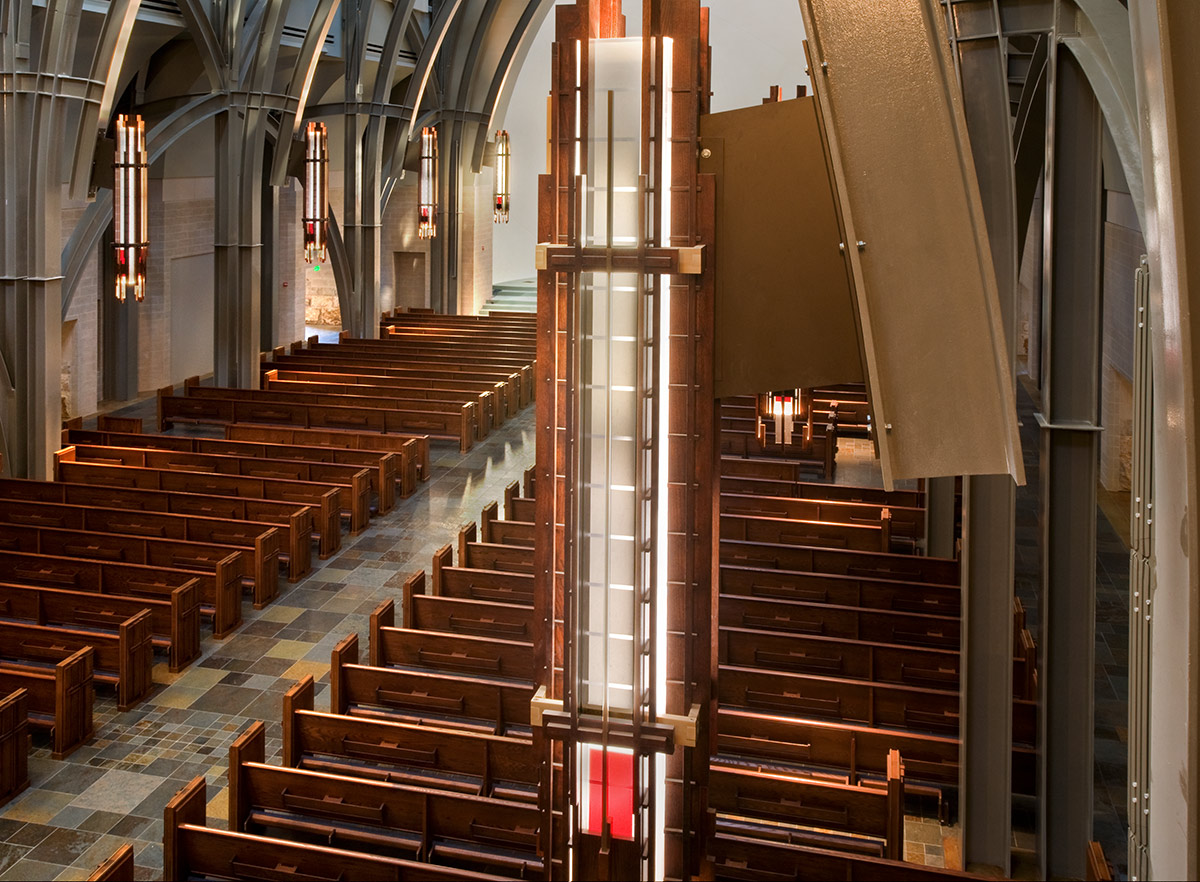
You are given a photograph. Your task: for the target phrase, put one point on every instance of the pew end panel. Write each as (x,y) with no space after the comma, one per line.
(301,697)
(136,640)
(188,806)
(345,653)
(14,744)
(467,534)
(249,747)
(511,492)
(161,421)
(74,698)
(415,584)
(442,558)
(117,867)
(384,616)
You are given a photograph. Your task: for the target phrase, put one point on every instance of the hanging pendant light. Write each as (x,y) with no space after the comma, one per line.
(503,172)
(428,183)
(316,191)
(130,217)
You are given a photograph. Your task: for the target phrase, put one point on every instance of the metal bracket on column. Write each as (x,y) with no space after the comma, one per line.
(540,704)
(1068,425)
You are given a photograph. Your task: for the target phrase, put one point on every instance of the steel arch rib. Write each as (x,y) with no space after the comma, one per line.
(420,77)
(106,68)
(514,55)
(200,27)
(302,77)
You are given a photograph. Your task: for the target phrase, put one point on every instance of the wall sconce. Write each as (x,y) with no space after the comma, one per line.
(428,184)
(130,218)
(503,172)
(316,191)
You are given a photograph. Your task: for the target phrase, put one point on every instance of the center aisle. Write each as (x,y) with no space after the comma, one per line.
(114,789)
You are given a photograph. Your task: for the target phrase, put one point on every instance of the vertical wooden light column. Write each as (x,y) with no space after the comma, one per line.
(668,260)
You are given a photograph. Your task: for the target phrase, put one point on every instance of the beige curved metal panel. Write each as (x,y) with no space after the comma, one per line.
(925,287)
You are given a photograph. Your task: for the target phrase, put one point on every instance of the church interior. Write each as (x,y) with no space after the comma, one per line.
(586,439)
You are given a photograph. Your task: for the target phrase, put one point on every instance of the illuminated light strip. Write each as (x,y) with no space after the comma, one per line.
(131,224)
(663,190)
(316,191)
(503,177)
(427,185)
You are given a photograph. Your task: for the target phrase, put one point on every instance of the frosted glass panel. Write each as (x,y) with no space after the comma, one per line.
(612,406)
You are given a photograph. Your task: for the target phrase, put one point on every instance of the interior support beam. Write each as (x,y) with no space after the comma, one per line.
(985,758)
(1069,469)
(989,501)
(939,517)
(237,247)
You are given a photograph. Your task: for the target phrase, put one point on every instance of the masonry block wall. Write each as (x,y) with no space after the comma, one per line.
(81,332)
(403,255)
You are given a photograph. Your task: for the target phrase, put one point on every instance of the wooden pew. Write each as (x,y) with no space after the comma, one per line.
(191,850)
(390,355)
(405,753)
(404,647)
(912,708)
(384,467)
(517,507)
(842,590)
(324,519)
(174,622)
(741,857)
(853,701)
(492,556)
(429,824)
(908,523)
(855,749)
(262,541)
(413,450)
(206,404)
(14,744)
(491,412)
(846,622)
(486,377)
(219,569)
(839,656)
(460,615)
(60,699)
(479,584)
(790,531)
(781,473)
(504,532)
(352,483)
(822,461)
(496,390)
(800,558)
(124,659)
(801,801)
(462,701)
(117,867)
(230,514)
(128,580)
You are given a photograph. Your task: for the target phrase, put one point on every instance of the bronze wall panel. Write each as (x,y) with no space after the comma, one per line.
(784,310)
(933,340)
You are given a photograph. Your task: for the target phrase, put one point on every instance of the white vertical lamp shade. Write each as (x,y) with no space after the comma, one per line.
(503,177)
(130,216)
(316,191)
(427,189)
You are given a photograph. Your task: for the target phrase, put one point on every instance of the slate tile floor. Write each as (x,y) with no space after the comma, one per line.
(113,790)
